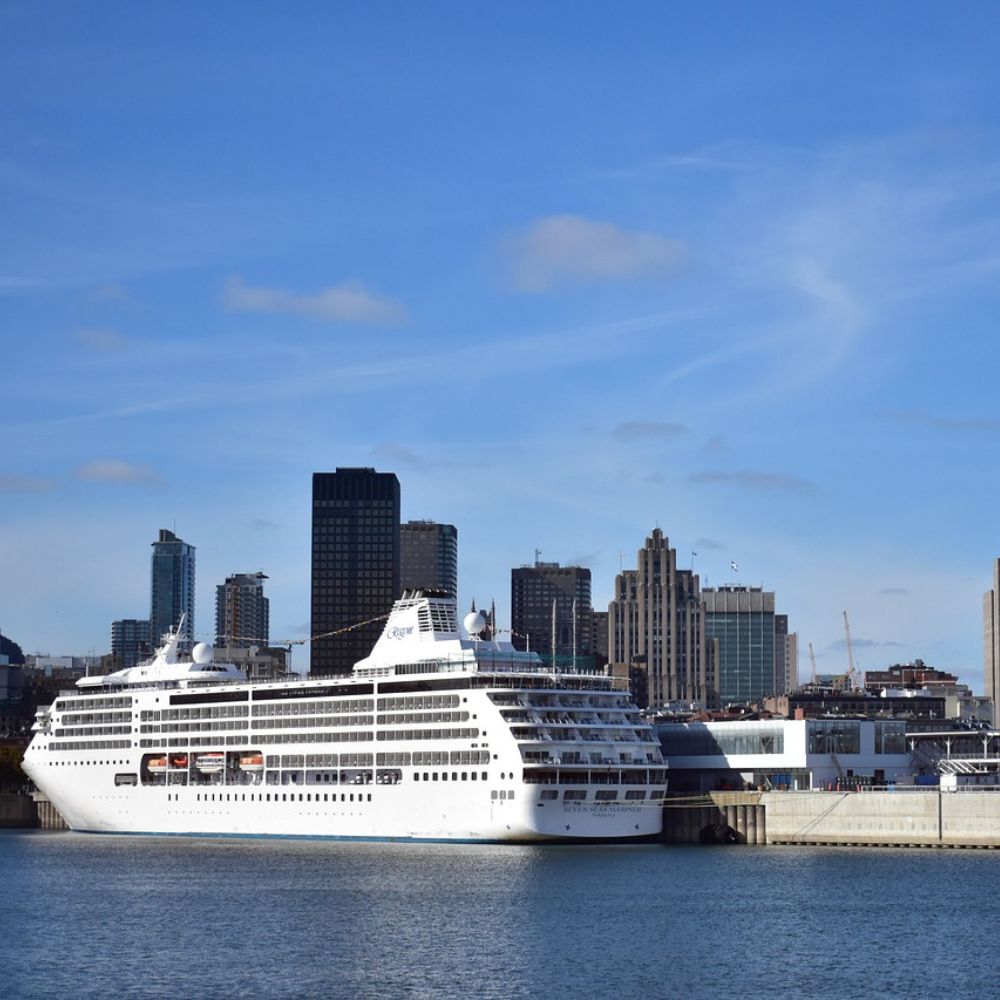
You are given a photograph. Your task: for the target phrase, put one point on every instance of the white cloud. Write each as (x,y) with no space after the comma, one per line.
(349,302)
(111,470)
(561,249)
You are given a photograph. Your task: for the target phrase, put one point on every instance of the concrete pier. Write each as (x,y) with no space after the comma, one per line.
(901,818)
(49,818)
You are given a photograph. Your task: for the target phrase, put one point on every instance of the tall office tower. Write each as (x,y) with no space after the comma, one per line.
(655,619)
(550,609)
(991,643)
(355,564)
(428,556)
(742,620)
(131,641)
(786,657)
(599,626)
(242,612)
(173,586)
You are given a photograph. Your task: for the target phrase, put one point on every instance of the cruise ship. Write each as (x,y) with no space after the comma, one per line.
(437,735)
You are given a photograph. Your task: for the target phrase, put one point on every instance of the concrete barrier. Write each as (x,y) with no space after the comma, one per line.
(919,818)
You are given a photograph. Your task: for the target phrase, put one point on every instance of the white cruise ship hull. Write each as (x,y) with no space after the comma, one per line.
(434,737)
(89,805)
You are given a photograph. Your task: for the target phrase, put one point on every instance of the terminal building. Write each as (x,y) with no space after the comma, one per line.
(785,754)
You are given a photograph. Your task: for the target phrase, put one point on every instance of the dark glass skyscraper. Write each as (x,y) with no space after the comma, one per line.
(172,591)
(355,563)
(429,556)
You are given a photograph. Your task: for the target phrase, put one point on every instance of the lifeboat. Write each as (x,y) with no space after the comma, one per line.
(253,762)
(156,765)
(179,760)
(210,763)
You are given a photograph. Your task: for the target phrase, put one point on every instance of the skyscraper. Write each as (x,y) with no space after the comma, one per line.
(550,609)
(355,563)
(131,640)
(655,621)
(242,612)
(742,620)
(428,556)
(786,657)
(991,642)
(172,591)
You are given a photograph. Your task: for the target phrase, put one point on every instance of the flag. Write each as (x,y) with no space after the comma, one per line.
(734,567)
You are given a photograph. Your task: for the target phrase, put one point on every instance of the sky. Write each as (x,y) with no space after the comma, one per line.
(571,271)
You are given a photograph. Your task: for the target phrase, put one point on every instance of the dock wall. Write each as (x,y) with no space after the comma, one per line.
(911,818)
(17,811)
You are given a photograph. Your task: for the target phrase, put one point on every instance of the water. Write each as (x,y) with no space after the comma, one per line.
(103,916)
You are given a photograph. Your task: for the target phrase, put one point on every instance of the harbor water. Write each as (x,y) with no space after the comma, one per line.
(113,916)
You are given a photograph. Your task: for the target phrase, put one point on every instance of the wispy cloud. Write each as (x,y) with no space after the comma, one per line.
(109,292)
(753,480)
(570,249)
(954,425)
(709,545)
(111,470)
(649,430)
(262,524)
(894,590)
(841,644)
(25,484)
(656,167)
(349,302)
(17,283)
(102,340)
(397,454)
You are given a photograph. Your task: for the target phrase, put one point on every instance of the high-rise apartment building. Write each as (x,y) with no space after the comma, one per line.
(741,619)
(172,591)
(428,556)
(786,657)
(131,641)
(550,609)
(355,564)
(991,642)
(655,622)
(242,612)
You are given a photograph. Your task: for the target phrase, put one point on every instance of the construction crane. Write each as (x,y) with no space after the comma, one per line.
(812,659)
(849,679)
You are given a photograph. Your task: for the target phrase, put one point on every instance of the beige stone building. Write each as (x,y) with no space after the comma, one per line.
(656,623)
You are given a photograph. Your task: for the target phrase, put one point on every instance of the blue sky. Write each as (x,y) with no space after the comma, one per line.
(571,271)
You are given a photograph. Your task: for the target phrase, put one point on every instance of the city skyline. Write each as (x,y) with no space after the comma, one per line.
(728,274)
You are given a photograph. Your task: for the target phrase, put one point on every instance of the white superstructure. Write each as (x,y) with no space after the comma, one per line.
(437,735)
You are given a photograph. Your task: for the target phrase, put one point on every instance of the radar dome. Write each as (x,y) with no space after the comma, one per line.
(474,622)
(202,653)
